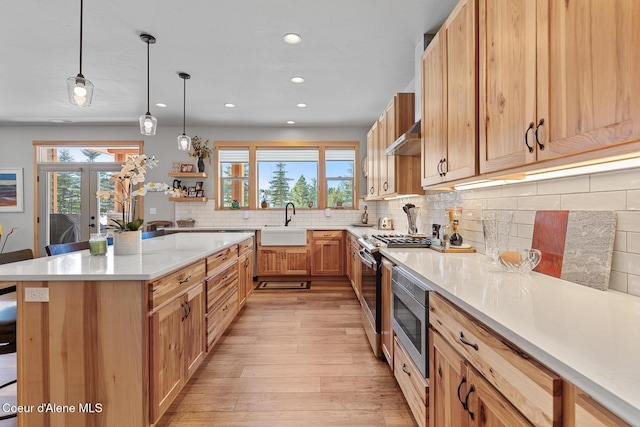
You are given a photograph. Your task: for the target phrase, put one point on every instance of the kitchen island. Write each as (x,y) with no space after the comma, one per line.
(92,353)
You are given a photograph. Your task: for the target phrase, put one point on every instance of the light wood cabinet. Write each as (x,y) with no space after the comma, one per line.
(413,385)
(534,391)
(245,276)
(177,346)
(449,101)
(327,252)
(390,175)
(222,299)
(556,79)
(354,270)
(386,332)
(283,260)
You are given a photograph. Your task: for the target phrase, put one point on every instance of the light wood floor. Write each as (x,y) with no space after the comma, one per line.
(293,358)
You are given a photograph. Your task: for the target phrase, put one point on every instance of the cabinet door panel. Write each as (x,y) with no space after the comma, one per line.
(447,384)
(269,261)
(372,162)
(588,90)
(327,257)
(296,261)
(166,361)
(487,407)
(387,328)
(434,110)
(194,335)
(462,90)
(507,36)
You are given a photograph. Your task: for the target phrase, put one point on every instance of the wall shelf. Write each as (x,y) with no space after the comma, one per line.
(188,199)
(188,174)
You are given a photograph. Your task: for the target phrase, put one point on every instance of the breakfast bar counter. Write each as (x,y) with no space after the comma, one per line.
(102,335)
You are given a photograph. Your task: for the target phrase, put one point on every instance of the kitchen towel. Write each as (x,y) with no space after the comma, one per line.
(576,245)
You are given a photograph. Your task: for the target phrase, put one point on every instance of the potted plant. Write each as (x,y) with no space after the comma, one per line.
(201,150)
(126,187)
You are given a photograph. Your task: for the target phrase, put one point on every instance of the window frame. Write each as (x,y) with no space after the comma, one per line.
(253,146)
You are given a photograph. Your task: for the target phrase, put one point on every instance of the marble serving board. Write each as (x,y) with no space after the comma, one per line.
(576,245)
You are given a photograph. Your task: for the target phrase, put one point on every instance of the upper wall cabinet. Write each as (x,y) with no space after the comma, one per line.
(556,78)
(390,175)
(449,99)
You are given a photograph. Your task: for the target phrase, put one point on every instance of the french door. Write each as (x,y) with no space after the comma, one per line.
(68,210)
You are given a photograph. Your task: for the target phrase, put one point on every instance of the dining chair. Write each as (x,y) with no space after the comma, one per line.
(8,314)
(64,248)
(150,234)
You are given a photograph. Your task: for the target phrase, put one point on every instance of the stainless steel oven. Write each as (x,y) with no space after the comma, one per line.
(410,311)
(371,280)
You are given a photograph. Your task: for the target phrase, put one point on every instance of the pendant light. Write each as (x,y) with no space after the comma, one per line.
(148,123)
(184,141)
(79,89)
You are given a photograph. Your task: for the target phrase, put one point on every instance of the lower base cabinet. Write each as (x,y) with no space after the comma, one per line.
(386,340)
(413,385)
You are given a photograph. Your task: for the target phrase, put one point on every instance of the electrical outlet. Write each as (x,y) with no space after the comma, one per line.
(36,294)
(152,211)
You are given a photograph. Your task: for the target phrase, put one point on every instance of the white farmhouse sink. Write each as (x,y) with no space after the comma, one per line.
(283,236)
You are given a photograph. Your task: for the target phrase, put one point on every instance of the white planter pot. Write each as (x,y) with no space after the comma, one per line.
(127,242)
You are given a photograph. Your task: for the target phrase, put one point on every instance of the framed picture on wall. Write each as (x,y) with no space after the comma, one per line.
(199,185)
(11,190)
(186,167)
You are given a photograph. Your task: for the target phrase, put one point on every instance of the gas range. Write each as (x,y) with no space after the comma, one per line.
(376,241)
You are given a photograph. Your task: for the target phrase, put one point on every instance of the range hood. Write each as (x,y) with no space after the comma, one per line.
(407,144)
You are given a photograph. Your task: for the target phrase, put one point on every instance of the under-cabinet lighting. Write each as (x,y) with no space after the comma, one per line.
(560,173)
(401,196)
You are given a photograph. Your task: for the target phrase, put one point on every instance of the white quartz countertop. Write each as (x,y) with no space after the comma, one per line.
(160,255)
(589,337)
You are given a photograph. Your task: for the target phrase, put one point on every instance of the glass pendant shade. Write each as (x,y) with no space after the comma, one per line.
(184,143)
(80,91)
(148,124)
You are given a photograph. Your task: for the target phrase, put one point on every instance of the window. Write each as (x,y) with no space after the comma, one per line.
(234,177)
(288,175)
(311,175)
(340,165)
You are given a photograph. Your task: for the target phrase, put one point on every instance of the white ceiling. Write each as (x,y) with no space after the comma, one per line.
(355,55)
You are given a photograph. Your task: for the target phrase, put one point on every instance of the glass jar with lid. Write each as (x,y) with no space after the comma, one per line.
(98,244)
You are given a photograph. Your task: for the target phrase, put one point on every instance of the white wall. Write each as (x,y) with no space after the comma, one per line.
(16,150)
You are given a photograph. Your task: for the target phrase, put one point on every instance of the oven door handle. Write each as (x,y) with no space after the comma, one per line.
(367,260)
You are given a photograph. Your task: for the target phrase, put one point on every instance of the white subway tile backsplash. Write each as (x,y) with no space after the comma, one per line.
(633,242)
(633,284)
(539,202)
(503,204)
(626,262)
(620,243)
(633,200)
(628,221)
(523,189)
(619,180)
(525,230)
(618,281)
(609,200)
(574,184)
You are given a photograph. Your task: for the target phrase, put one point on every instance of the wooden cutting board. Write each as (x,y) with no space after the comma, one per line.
(576,245)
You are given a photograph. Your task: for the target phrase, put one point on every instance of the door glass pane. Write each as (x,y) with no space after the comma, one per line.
(64,206)
(106,209)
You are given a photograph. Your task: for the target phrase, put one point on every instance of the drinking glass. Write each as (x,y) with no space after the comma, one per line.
(496,226)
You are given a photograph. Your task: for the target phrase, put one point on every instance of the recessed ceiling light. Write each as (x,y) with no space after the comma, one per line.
(229,105)
(291,122)
(292,38)
(297,79)
(161,105)
(301,105)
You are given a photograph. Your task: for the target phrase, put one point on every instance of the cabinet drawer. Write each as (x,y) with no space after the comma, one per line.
(413,385)
(326,234)
(534,390)
(221,317)
(221,259)
(245,246)
(220,285)
(171,285)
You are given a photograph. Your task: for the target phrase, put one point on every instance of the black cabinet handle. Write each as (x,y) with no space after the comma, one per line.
(465,342)
(226,307)
(404,369)
(540,145)
(526,137)
(371,190)
(439,167)
(186,280)
(184,309)
(385,186)
(466,401)
(188,309)
(462,381)
(444,166)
